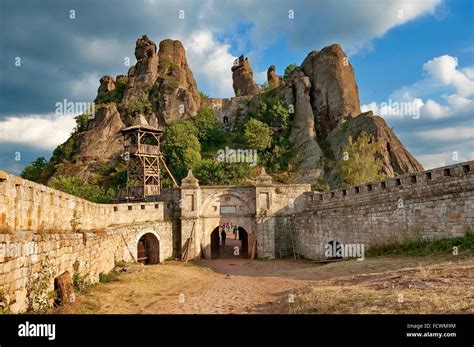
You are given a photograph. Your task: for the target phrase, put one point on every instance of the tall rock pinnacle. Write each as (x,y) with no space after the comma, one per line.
(242,77)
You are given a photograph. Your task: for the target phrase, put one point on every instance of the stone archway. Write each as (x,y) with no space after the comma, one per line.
(244,238)
(229,251)
(148,249)
(215,243)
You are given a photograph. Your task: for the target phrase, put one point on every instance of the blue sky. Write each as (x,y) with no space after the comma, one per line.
(418,53)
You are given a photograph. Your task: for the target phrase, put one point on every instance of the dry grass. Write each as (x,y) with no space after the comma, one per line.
(5,229)
(376,285)
(446,288)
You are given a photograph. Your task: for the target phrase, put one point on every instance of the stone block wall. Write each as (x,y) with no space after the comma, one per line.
(25,255)
(26,205)
(436,203)
(43,230)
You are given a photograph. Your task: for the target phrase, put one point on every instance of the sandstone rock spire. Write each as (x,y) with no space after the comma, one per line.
(242,78)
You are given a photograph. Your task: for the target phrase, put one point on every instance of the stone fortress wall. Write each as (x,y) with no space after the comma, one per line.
(41,227)
(436,203)
(26,205)
(44,230)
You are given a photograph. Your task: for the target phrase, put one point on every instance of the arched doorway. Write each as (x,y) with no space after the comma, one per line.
(148,249)
(244,238)
(215,243)
(236,246)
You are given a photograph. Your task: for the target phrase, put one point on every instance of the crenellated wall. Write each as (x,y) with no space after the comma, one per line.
(40,225)
(43,230)
(26,205)
(436,203)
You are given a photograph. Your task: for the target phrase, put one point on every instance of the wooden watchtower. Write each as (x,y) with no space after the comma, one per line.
(142,152)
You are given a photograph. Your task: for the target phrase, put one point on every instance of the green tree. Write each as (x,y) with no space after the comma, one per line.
(288,70)
(120,86)
(34,171)
(205,121)
(274,113)
(209,171)
(77,187)
(81,123)
(258,135)
(181,147)
(138,105)
(359,162)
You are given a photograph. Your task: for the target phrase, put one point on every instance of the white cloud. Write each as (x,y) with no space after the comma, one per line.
(260,77)
(441,74)
(455,105)
(41,131)
(210,61)
(367,20)
(430,161)
(444,69)
(448,134)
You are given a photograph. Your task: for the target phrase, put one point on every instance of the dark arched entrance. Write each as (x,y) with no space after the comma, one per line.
(148,249)
(244,237)
(229,251)
(215,243)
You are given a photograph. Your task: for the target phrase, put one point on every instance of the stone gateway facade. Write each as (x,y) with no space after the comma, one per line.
(45,230)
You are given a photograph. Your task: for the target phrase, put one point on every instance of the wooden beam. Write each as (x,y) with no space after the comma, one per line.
(169,172)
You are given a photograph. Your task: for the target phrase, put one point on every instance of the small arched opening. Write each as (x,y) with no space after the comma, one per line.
(148,249)
(244,238)
(236,243)
(215,243)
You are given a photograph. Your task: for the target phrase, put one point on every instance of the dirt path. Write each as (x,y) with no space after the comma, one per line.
(232,285)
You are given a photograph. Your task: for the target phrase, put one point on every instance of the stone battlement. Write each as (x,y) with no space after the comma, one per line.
(435,203)
(414,183)
(29,206)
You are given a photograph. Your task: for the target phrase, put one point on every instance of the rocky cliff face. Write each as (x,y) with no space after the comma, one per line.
(242,78)
(106,91)
(174,95)
(273,79)
(143,74)
(334,92)
(101,142)
(325,100)
(322,93)
(303,133)
(396,159)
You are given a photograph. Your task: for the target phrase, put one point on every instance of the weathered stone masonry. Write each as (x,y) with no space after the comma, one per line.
(39,223)
(436,203)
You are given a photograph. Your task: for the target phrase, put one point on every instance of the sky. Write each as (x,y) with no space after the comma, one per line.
(413,60)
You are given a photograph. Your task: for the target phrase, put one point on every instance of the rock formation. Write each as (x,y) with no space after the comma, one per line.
(322,96)
(174,95)
(396,159)
(143,74)
(273,79)
(106,91)
(334,92)
(101,142)
(242,78)
(302,133)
